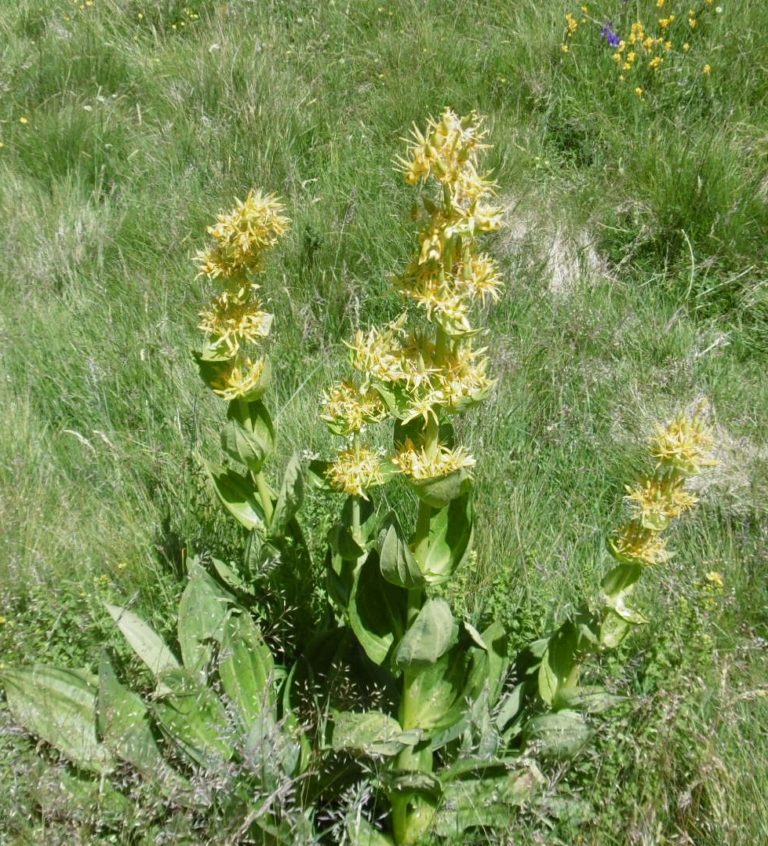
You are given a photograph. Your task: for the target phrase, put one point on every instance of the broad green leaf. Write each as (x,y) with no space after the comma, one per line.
(238,495)
(290,498)
(430,636)
(59,706)
(548,681)
(559,661)
(57,793)
(620,578)
(361,833)
(229,576)
(124,725)
(194,719)
(369,733)
(444,489)
(399,781)
(148,645)
(203,609)
(450,539)
(246,668)
(591,699)
(377,610)
(436,691)
(509,706)
(486,802)
(249,435)
(613,629)
(398,566)
(559,735)
(497,643)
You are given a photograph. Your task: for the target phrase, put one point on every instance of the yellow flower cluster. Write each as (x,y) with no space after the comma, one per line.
(242,236)
(682,449)
(235,316)
(355,469)
(241,378)
(419,464)
(347,408)
(419,371)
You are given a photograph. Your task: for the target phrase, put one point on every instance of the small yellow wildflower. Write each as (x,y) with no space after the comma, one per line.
(665,23)
(693,23)
(686,47)
(655,63)
(660,4)
(631,56)
(573,24)
(639,91)
(715,579)
(3,620)
(707,70)
(23,120)
(355,469)
(565,48)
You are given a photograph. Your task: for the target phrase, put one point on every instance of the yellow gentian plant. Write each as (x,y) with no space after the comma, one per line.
(448,726)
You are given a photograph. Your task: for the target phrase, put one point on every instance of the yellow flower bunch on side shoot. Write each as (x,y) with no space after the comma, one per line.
(681,449)
(236,319)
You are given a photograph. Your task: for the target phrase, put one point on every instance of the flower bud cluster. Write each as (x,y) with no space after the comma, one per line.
(681,449)
(420,369)
(235,318)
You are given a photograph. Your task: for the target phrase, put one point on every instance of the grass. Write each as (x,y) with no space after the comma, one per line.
(636,282)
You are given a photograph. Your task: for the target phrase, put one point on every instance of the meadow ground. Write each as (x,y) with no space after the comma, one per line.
(635,264)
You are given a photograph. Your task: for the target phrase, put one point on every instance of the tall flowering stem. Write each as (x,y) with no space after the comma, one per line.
(418,372)
(233,364)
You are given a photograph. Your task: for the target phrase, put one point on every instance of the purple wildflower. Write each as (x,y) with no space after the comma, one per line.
(610,34)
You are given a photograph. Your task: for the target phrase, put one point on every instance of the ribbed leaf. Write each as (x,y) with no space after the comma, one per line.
(146,643)
(398,566)
(450,539)
(377,610)
(431,635)
(193,717)
(59,706)
(486,802)
(124,725)
(557,735)
(238,495)
(249,435)
(290,498)
(203,609)
(246,668)
(369,733)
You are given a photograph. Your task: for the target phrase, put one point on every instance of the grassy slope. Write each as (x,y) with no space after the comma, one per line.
(139,129)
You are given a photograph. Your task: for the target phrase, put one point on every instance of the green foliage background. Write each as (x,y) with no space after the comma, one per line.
(635,262)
